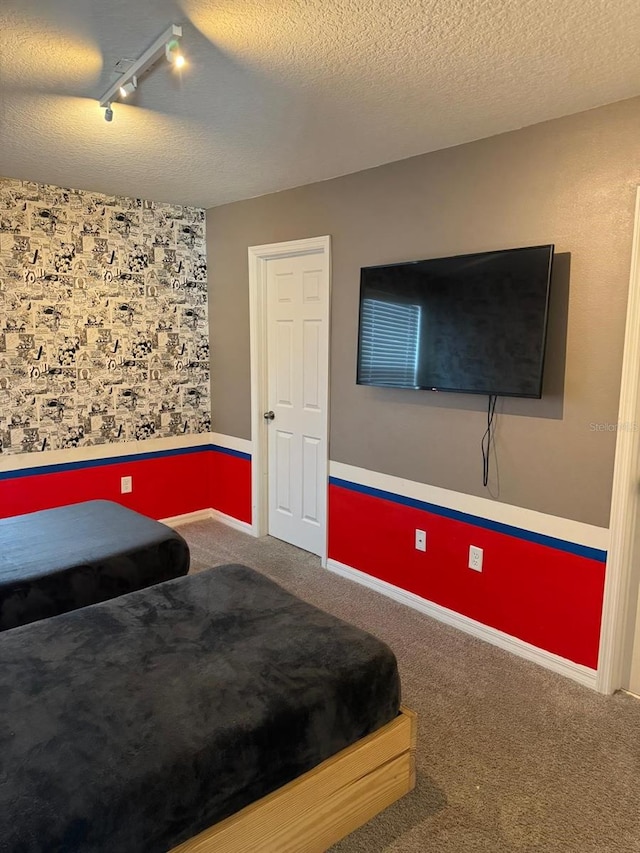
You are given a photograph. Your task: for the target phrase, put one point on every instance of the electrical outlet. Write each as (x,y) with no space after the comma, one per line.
(421,540)
(475,558)
(126,485)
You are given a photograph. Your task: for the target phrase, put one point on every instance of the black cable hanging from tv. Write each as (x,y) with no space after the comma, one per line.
(488,437)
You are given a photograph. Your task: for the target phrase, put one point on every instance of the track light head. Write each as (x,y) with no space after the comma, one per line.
(108,113)
(172,52)
(128,87)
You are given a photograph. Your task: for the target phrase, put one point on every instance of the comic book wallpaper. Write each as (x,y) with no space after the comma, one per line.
(103,319)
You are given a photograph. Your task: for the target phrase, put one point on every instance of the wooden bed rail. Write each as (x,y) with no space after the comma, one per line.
(324,805)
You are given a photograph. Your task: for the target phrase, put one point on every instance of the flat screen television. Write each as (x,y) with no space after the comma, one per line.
(476,324)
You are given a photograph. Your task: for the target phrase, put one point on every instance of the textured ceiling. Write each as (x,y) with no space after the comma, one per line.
(279,94)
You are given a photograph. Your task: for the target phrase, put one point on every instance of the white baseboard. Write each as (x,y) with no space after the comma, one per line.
(203,515)
(229,520)
(187,518)
(582,674)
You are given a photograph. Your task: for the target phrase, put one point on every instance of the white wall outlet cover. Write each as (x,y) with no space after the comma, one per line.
(475,558)
(421,540)
(126,485)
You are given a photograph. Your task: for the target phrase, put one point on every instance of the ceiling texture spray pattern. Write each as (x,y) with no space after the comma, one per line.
(280,94)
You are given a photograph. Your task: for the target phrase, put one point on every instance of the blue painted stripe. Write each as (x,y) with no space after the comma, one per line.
(240,454)
(81,464)
(466,518)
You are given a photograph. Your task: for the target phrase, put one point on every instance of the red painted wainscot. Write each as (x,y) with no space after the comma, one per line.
(544,591)
(165,483)
(231,483)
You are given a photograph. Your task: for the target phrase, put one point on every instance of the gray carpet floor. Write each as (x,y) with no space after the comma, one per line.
(510,756)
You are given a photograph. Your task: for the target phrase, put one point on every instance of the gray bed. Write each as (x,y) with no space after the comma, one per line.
(55,560)
(134,724)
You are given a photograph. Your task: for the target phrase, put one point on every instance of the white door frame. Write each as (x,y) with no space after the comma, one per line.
(618,612)
(258,258)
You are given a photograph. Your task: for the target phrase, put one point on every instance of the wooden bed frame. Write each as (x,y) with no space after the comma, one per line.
(324,805)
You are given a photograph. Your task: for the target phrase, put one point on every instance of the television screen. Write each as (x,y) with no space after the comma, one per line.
(471,323)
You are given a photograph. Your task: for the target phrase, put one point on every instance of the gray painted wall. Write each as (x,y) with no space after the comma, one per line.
(571,182)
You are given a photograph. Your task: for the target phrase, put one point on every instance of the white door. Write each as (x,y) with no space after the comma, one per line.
(297,361)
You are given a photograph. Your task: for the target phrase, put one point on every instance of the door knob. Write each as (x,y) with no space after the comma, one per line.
(268,416)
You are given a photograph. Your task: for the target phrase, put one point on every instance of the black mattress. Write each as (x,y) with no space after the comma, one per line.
(134,724)
(58,559)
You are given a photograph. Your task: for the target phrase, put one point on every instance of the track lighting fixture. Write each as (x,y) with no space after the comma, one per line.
(167,45)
